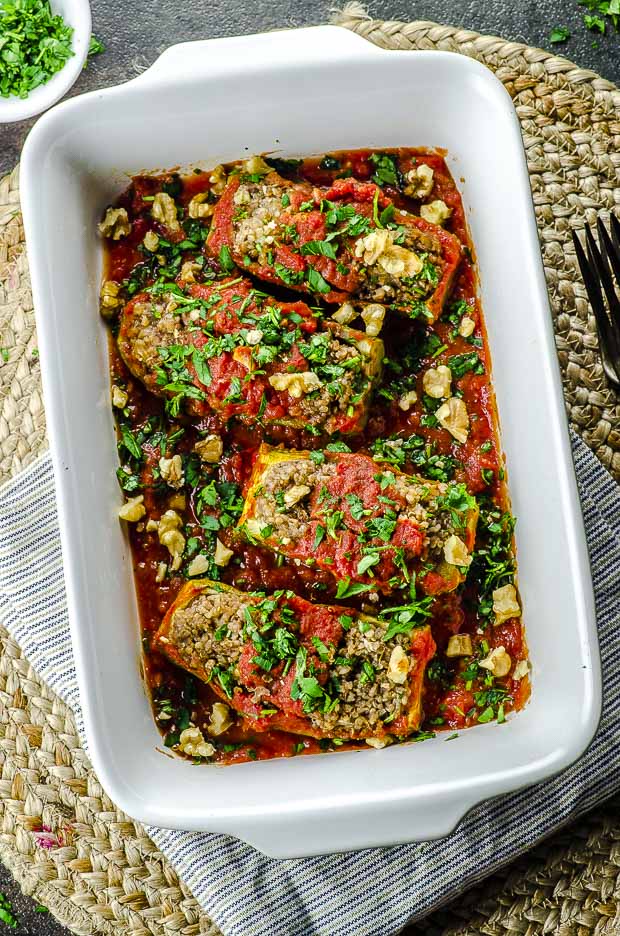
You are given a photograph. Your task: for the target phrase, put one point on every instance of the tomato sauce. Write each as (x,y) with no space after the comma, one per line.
(458,692)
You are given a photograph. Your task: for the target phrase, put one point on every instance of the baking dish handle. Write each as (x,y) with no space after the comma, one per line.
(346,830)
(239,53)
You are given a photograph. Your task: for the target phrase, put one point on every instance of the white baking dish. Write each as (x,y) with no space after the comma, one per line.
(303,92)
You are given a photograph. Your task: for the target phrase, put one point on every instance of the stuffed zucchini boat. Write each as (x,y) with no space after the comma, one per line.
(343,513)
(347,242)
(283,663)
(231,349)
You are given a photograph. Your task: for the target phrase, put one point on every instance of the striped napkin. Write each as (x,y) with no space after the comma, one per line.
(369,893)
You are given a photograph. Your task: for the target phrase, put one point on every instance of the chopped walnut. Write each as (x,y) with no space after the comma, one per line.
(256,165)
(419,181)
(133,509)
(210,449)
(192,742)
(437,381)
(344,314)
(218,180)
(455,551)
(407,400)
(151,241)
(164,210)
(199,207)
(296,384)
(498,662)
(198,566)
(379,247)
(221,719)
(436,212)
(373,316)
(188,271)
(453,416)
(116,224)
(459,645)
(119,397)
(110,300)
(222,555)
(521,670)
(398,666)
(177,502)
(295,494)
(254,337)
(171,470)
(162,570)
(505,604)
(170,536)
(467,326)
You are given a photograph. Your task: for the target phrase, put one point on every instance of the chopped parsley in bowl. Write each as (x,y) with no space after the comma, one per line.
(43,46)
(34,44)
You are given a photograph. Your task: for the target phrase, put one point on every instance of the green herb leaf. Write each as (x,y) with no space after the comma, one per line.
(559,34)
(226,261)
(322,248)
(316,281)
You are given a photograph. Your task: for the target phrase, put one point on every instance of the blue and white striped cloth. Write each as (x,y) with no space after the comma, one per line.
(369,893)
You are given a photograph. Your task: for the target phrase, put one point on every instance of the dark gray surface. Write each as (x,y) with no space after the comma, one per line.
(136,31)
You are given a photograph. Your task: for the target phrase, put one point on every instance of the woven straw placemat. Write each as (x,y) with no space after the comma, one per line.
(65,842)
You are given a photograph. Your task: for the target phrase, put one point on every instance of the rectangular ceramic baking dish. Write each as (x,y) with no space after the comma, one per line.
(304,92)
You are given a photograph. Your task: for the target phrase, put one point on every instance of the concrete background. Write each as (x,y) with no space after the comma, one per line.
(134,32)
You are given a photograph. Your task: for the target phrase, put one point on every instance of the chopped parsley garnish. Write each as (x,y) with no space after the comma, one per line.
(316,281)
(348,589)
(461,364)
(329,162)
(386,170)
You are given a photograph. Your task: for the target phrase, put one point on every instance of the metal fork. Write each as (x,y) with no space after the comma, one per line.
(599,268)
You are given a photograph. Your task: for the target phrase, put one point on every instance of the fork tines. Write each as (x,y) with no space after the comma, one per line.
(599,269)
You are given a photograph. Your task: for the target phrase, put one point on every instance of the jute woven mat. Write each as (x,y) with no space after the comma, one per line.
(102,874)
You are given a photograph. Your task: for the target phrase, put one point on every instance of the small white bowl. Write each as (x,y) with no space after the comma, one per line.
(76,13)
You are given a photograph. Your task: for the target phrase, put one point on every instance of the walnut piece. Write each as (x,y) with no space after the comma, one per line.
(192,742)
(373,316)
(199,207)
(119,397)
(437,382)
(459,645)
(467,326)
(116,224)
(171,470)
(133,509)
(453,416)
(164,210)
(210,449)
(222,555)
(407,400)
(198,566)
(110,300)
(498,662)
(505,604)
(170,536)
(344,314)
(436,212)
(419,181)
(398,666)
(455,551)
(296,384)
(221,719)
